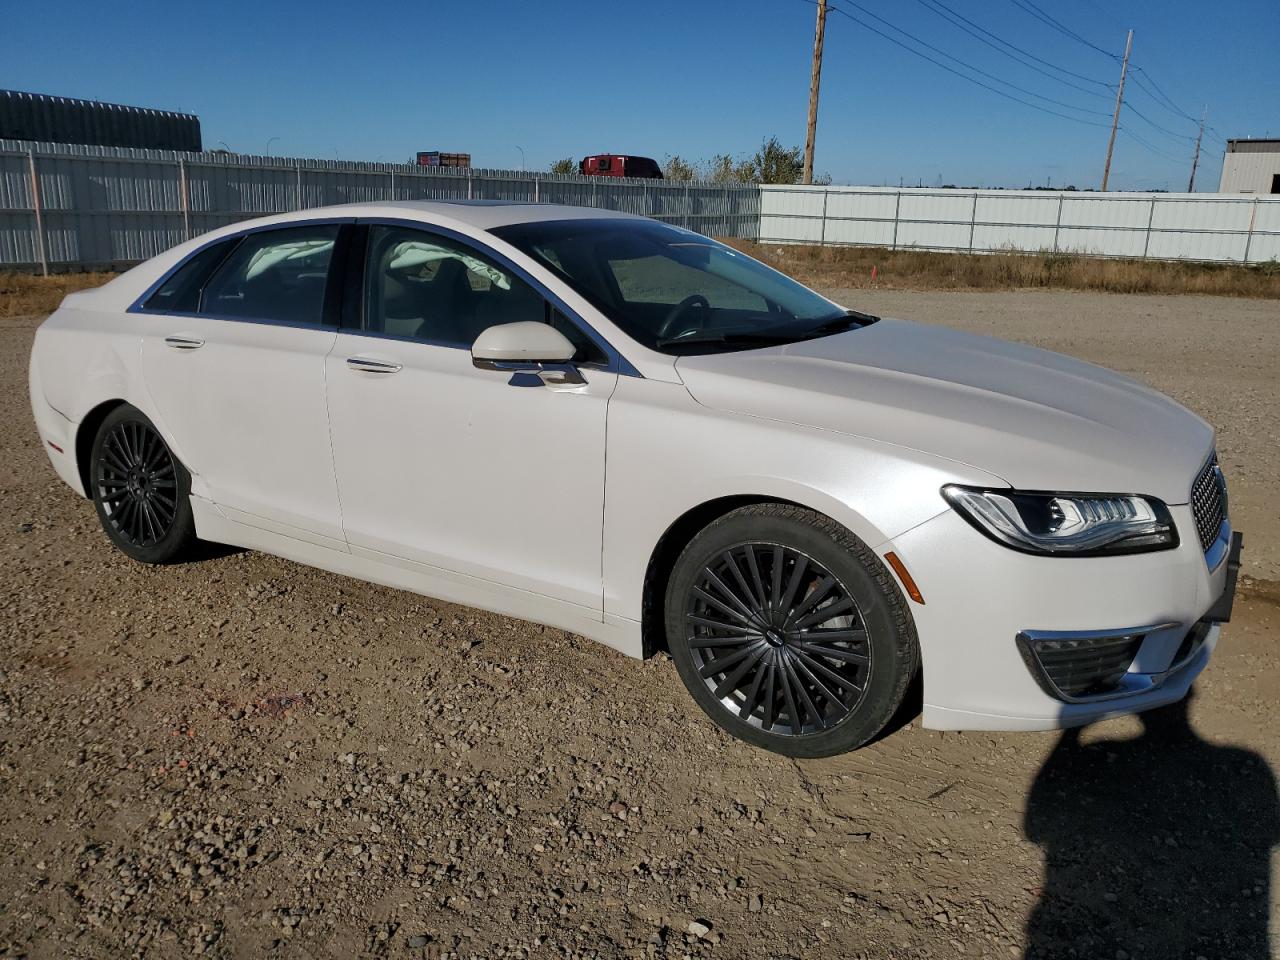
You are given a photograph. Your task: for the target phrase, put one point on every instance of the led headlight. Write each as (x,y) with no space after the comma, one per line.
(1070,524)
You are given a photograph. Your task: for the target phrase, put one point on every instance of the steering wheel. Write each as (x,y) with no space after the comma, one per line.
(679,310)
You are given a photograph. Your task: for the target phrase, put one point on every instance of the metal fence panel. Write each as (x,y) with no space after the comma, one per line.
(103,206)
(503,187)
(1103,212)
(1103,241)
(1204,227)
(111,207)
(17,216)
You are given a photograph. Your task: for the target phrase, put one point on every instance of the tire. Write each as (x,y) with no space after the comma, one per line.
(141,491)
(811,664)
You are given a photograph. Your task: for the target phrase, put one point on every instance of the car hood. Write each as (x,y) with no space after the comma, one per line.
(1039,420)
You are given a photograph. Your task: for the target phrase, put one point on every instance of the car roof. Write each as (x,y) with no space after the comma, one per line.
(462,215)
(478,214)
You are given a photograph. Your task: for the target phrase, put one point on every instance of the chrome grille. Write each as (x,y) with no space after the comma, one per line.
(1209,502)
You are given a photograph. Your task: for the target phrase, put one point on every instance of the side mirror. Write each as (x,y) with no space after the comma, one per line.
(523,342)
(527,347)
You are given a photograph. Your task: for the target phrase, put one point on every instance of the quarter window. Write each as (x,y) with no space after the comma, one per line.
(426,287)
(180,293)
(277,275)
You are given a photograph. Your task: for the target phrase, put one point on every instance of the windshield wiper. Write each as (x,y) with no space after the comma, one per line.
(763,339)
(849,320)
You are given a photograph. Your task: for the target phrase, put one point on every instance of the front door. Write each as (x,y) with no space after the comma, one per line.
(479,472)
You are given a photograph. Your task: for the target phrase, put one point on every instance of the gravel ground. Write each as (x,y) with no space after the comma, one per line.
(244,757)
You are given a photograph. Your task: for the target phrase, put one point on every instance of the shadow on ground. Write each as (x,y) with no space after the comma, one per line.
(1155,847)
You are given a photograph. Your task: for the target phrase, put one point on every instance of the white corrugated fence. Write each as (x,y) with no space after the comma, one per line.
(1224,228)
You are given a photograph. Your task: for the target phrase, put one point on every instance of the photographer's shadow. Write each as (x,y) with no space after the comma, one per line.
(1155,847)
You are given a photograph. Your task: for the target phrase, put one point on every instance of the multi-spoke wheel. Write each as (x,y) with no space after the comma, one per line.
(789,632)
(777,638)
(140,489)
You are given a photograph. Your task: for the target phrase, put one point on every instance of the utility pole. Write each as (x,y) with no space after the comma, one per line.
(814,80)
(1115,121)
(1195,160)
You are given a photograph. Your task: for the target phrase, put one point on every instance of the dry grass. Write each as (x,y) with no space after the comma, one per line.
(847,267)
(23,295)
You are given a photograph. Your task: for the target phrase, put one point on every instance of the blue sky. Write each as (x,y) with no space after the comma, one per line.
(364,81)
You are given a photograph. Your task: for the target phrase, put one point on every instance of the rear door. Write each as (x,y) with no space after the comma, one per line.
(237,371)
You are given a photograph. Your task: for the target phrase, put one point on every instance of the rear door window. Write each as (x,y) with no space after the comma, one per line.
(274,275)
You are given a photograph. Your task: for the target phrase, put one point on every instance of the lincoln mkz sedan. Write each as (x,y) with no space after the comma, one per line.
(627,430)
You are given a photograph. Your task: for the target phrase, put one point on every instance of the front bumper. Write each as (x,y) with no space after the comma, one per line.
(984,603)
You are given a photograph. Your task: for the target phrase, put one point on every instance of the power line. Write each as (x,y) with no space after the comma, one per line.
(1217,135)
(1165,130)
(1008,96)
(1151,146)
(969,66)
(981,33)
(1106,13)
(1160,94)
(1149,87)
(1160,99)
(867,26)
(1154,90)
(938,7)
(1030,7)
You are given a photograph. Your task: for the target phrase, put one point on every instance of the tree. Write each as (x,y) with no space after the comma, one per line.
(774,163)
(725,169)
(567,165)
(678,168)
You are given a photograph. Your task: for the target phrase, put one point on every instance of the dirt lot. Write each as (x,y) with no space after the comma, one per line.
(244,757)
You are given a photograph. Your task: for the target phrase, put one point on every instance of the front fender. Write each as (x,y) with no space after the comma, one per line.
(667,455)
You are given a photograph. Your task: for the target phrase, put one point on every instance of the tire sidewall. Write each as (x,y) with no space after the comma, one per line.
(181,535)
(886,681)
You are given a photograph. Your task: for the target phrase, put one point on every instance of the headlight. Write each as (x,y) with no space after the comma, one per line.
(1071,524)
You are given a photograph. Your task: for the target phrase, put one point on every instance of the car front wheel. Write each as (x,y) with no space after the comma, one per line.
(789,631)
(142,492)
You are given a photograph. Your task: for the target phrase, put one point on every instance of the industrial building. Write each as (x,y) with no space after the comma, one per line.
(46,119)
(1251,166)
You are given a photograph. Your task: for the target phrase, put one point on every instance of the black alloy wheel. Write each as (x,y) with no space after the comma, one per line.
(789,631)
(136,482)
(140,489)
(778,639)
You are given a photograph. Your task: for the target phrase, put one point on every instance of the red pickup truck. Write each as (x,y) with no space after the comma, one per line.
(618,165)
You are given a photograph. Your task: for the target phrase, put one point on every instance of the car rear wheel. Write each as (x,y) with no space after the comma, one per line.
(789,631)
(142,492)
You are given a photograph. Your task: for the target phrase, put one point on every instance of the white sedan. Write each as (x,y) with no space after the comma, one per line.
(624,429)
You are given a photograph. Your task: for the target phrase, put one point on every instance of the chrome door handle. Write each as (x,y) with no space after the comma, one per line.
(365,365)
(184,343)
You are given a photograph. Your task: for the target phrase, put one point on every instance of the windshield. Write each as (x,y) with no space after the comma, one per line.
(677,291)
